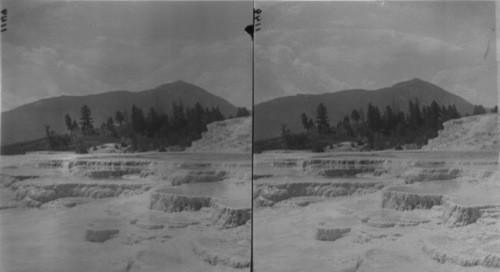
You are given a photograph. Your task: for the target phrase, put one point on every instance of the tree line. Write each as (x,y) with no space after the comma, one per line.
(156,129)
(379,128)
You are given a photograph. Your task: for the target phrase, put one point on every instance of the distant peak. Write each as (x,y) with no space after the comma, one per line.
(411,82)
(173,83)
(177,82)
(416,80)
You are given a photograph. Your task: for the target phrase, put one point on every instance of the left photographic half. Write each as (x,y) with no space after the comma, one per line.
(126,136)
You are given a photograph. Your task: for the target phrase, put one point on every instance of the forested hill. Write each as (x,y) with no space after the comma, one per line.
(270,115)
(28,122)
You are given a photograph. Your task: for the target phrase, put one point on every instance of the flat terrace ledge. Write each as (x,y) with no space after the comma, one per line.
(270,191)
(463,204)
(446,249)
(227,213)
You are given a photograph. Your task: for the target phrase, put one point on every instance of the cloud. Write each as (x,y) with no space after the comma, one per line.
(326,47)
(41,72)
(476,84)
(80,48)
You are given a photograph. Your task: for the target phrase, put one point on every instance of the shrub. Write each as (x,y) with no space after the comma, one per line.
(317,147)
(81,148)
(162,149)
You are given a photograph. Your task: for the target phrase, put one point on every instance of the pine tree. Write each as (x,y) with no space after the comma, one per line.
(69,122)
(50,135)
(242,112)
(311,124)
(152,123)
(165,126)
(305,121)
(373,118)
(452,111)
(75,126)
(322,119)
(389,120)
(110,125)
(478,109)
(218,115)
(86,120)
(347,125)
(361,115)
(119,120)
(198,122)
(435,116)
(137,120)
(355,116)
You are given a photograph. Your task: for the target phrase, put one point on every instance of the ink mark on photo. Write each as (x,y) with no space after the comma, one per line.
(4,20)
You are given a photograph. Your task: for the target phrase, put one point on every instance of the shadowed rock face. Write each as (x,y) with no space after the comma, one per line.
(269,193)
(101,169)
(34,195)
(200,176)
(225,252)
(330,234)
(408,201)
(230,217)
(459,215)
(337,168)
(175,203)
(448,249)
(100,235)
(462,205)
(224,215)
(432,174)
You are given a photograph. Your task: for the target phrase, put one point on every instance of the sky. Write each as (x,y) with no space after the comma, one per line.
(54,48)
(321,47)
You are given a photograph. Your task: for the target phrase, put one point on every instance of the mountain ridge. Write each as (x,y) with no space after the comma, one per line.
(271,114)
(27,122)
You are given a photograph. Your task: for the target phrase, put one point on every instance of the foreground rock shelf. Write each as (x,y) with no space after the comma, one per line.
(35,194)
(229,210)
(97,207)
(463,203)
(453,250)
(331,230)
(377,211)
(102,229)
(218,250)
(272,190)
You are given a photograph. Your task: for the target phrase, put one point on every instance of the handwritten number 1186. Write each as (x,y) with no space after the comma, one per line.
(4,20)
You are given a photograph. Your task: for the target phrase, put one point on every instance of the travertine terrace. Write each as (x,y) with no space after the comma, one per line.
(125,212)
(377,211)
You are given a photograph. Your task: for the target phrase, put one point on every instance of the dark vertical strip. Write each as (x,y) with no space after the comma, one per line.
(253,127)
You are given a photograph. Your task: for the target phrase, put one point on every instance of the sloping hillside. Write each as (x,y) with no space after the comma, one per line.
(286,110)
(27,122)
(479,132)
(232,135)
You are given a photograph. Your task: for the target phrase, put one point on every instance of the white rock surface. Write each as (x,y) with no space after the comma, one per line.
(479,132)
(232,135)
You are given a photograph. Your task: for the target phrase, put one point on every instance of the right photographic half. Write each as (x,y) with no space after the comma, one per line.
(376,139)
